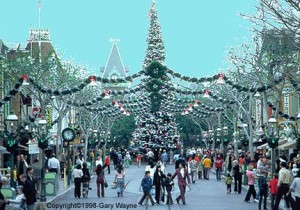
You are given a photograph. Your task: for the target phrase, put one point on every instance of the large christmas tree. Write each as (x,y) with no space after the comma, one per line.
(157,128)
(156,49)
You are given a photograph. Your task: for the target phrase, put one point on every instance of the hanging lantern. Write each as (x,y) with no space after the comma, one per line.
(186,111)
(106,94)
(206,94)
(196,103)
(115,103)
(220,79)
(93,81)
(190,108)
(25,80)
(121,107)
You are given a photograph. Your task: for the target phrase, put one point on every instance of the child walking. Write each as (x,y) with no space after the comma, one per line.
(273,185)
(228,182)
(147,185)
(168,183)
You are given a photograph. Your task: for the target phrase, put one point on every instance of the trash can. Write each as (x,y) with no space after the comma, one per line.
(9,192)
(51,183)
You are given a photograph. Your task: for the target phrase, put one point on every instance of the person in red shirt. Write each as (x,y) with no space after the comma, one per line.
(273,184)
(139,159)
(218,166)
(107,163)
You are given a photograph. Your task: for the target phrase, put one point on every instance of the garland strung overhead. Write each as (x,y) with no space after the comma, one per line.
(281,114)
(221,78)
(12,92)
(205,92)
(82,85)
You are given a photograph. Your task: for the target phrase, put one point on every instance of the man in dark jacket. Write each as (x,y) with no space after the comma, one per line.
(147,185)
(30,190)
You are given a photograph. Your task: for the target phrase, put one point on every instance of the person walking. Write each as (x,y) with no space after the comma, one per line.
(207,166)
(107,163)
(100,180)
(273,189)
(37,174)
(168,183)
(284,180)
(53,164)
(157,183)
(171,157)
(120,180)
(200,167)
(263,189)
(218,166)
(85,180)
(139,159)
(182,174)
(295,187)
(193,164)
(21,167)
(29,190)
(164,158)
(228,182)
(146,184)
(77,174)
(237,175)
(251,181)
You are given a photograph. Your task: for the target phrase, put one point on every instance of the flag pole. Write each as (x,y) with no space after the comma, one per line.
(40,44)
(40,5)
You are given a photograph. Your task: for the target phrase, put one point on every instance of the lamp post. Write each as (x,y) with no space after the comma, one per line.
(272,137)
(211,138)
(225,140)
(42,134)
(11,133)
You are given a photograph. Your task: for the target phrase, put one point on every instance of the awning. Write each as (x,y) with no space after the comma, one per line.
(263,146)
(288,145)
(266,145)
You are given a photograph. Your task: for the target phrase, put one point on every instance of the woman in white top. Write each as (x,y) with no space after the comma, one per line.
(151,167)
(295,187)
(77,174)
(120,179)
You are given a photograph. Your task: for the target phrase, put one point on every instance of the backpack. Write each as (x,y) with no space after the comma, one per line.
(193,165)
(228,180)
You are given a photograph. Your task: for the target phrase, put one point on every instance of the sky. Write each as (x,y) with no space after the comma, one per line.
(196,33)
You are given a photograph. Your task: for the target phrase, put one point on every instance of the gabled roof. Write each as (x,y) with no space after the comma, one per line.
(39,40)
(3,48)
(114,66)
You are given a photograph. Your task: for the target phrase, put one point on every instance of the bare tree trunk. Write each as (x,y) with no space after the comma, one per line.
(58,151)
(250,129)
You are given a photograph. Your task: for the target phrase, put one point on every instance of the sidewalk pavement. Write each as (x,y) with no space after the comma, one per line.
(205,194)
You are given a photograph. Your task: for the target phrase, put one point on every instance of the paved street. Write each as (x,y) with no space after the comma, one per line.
(205,194)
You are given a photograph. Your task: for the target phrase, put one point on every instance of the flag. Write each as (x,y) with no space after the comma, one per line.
(151,9)
(40,4)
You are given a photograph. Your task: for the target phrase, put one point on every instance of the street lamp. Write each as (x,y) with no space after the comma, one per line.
(11,134)
(211,137)
(272,137)
(42,134)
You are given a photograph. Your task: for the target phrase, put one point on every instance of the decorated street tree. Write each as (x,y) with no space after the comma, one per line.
(156,49)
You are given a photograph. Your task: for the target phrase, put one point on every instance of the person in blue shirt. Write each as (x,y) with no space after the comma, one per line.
(147,186)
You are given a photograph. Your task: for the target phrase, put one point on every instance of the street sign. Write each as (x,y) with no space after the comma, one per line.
(33,149)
